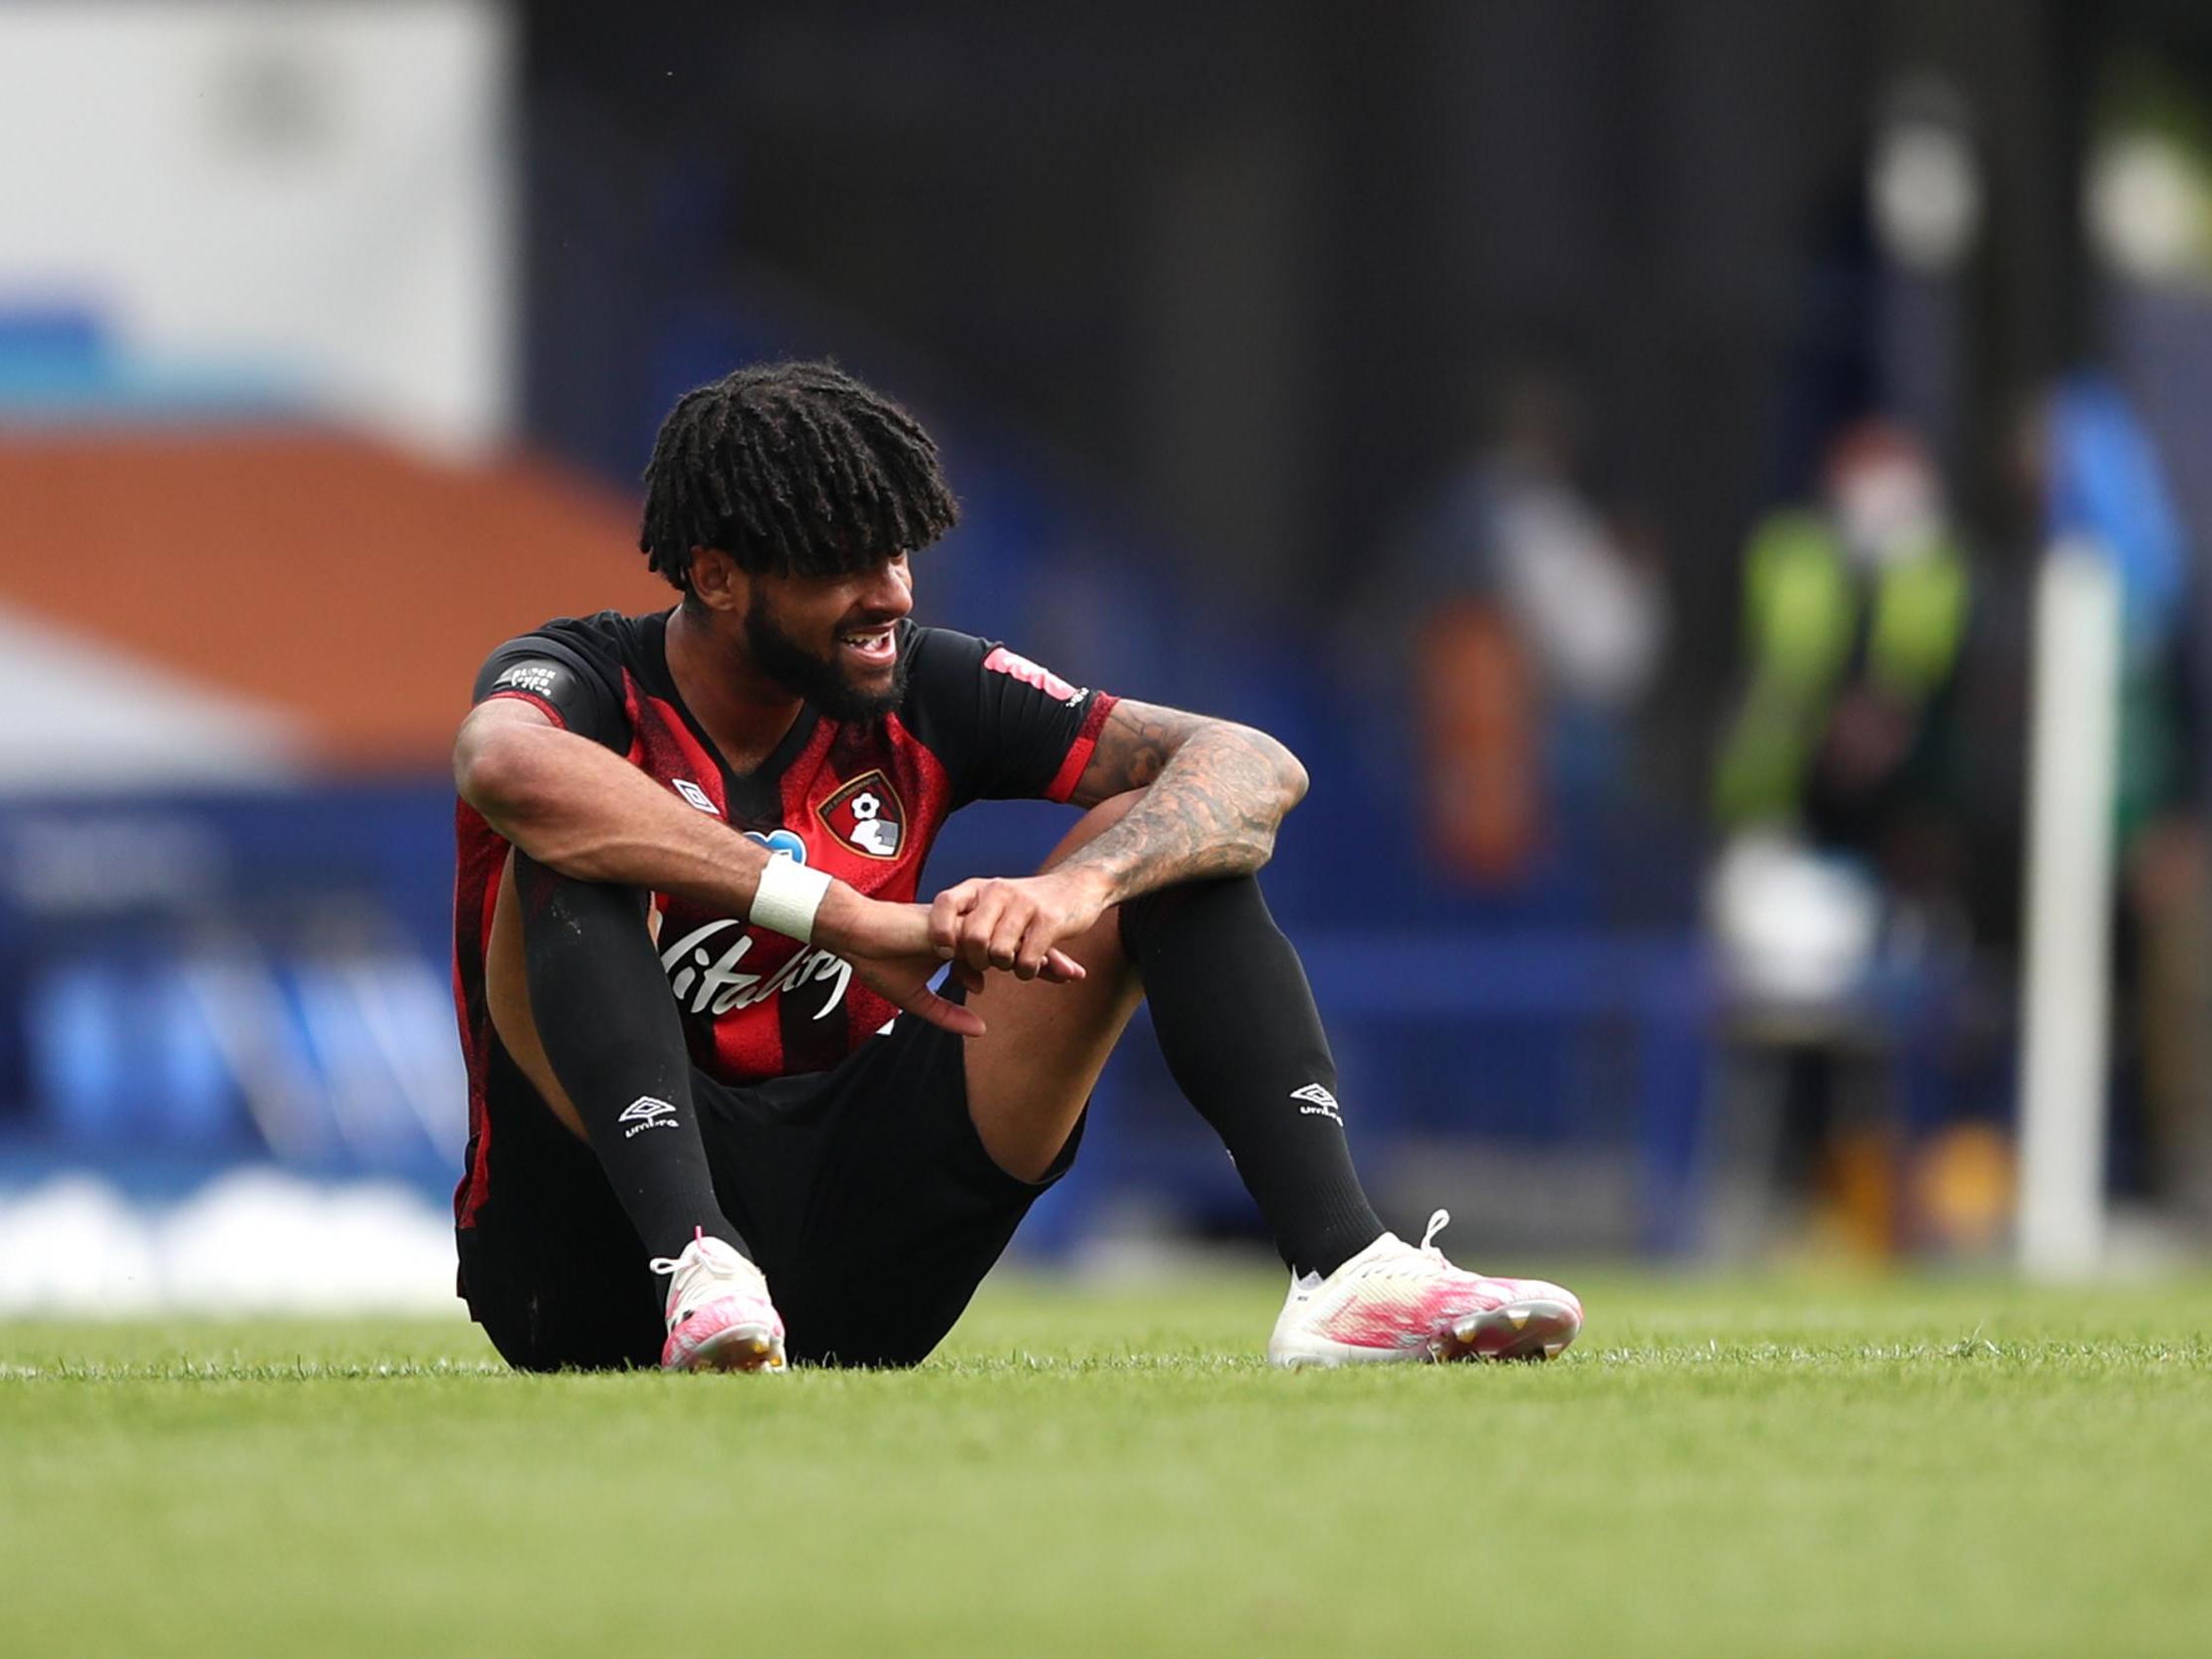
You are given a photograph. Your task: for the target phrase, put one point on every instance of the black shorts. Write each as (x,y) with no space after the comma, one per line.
(864,1192)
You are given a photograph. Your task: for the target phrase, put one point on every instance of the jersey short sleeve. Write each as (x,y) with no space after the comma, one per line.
(570,674)
(1004,728)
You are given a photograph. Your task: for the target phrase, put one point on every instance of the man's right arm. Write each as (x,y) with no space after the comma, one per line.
(577,807)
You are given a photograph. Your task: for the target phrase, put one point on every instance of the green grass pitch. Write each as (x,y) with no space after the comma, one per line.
(1760,1468)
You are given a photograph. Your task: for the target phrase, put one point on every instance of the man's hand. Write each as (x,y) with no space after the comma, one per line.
(1015,924)
(892,949)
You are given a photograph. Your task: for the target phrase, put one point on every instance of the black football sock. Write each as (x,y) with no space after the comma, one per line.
(613,1034)
(1241,1036)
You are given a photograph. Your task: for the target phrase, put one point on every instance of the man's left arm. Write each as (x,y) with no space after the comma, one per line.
(1210,795)
(1214,794)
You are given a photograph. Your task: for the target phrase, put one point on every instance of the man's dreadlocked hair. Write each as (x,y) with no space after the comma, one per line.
(790,468)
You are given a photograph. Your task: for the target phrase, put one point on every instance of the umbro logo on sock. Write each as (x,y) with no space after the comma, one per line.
(1319,1103)
(646,1113)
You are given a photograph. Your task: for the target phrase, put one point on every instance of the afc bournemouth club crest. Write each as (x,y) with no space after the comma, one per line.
(867,815)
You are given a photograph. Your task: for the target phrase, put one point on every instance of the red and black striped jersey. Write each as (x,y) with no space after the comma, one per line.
(862,801)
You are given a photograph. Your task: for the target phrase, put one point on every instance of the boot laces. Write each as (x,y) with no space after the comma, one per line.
(699,1268)
(666,1265)
(1407,1261)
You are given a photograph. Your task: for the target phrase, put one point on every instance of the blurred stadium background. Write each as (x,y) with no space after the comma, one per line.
(1641,457)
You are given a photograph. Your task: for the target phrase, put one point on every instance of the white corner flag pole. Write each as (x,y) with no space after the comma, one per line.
(2066,990)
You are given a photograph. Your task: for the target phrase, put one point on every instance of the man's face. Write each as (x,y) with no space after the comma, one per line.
(832,640)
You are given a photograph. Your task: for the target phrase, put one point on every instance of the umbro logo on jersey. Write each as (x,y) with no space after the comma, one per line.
(646,1113)
(1318,1102)
(694,794)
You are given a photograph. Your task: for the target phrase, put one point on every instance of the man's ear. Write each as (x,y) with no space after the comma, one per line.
(717,581)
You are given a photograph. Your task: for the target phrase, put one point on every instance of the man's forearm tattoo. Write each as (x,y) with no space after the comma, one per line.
(1214,797)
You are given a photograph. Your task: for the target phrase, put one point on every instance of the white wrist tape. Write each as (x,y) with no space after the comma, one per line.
(789,895)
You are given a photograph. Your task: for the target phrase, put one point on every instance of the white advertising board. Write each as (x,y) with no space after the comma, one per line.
(313,198)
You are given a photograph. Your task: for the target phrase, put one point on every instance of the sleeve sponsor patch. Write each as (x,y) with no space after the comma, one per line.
(574,689)
(537,679)
(1013,663)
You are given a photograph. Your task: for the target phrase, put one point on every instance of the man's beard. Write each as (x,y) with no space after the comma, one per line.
(824,684)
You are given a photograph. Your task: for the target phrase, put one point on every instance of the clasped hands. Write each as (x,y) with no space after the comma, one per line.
(1016,924)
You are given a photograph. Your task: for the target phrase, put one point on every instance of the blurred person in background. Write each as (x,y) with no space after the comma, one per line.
(693,986)
(1854,627)
(1840,795)
(1535,633)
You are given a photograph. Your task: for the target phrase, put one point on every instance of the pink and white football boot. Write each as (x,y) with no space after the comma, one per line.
(1394,1301)
(719,1318)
